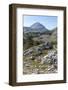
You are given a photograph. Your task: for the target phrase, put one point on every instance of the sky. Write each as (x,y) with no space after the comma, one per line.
(49,22)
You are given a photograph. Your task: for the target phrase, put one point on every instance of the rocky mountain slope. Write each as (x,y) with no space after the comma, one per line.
(39,50)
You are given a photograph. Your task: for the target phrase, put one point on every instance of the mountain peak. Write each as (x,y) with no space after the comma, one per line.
(37,25)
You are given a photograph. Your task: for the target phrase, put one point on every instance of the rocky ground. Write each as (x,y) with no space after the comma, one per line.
(40,62)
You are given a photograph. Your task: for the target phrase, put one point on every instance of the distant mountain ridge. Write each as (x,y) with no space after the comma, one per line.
(36,27)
